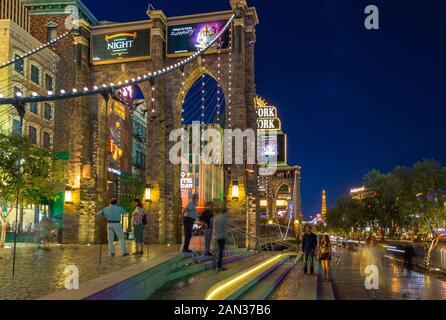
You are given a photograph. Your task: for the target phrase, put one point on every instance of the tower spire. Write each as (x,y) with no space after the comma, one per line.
(324,205)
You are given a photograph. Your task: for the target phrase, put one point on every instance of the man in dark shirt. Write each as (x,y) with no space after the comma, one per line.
(206,219)
(309,244)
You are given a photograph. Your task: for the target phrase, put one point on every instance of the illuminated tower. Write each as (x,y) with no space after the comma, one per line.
(324,205)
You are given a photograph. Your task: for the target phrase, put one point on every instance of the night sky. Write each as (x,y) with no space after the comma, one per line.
(350,99)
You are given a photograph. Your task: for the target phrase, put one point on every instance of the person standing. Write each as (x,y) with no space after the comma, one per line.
(139,221)
(206,218)
(113,215)
(309,244)
(324,256)
(189,217)
(220,223)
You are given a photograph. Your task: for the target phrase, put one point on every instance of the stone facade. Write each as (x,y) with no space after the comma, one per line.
(81,124)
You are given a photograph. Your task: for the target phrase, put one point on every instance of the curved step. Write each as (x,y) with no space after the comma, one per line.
(263,289)
(234,287)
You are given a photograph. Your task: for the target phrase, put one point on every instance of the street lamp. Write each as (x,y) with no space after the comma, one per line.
(68,195)
(148,194)
(235,190)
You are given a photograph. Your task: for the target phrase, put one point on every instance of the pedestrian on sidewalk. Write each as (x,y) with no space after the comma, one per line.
(113,215)
(139,221)
(309,244)
(189,217)
(206,218)
(324,256)
(220,223)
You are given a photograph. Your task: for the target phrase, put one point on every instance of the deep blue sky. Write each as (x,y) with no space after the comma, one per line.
(350,99)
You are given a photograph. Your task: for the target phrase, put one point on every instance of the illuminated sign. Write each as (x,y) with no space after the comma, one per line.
(263,203)
(281,203)
(357,190)
(185,39)
(267,119)
(120,46)
(273,148)
(186,181)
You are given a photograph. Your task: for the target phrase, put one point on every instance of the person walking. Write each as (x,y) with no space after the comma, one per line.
(220,223)
(189,217)
(324,256)
(206,218)
(309,244)
(139,222)
(113,215)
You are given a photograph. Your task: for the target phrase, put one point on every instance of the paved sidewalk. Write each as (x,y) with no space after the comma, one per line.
(395,282)
(41,272)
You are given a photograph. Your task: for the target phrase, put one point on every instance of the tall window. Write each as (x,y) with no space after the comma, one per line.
(48,82)
(48,113)
(51,28)
(18,65)
(46,140)
(35,74)
(34,107)
(32,134)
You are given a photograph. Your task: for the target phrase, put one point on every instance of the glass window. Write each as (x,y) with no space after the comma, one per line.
(48,82)
(18,65)
(16,126)
(34,107)
(35,74)
(46,139)
(52,33)
(48,112)
(32,134)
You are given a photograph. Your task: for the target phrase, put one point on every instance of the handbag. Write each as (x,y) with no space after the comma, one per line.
(144,219)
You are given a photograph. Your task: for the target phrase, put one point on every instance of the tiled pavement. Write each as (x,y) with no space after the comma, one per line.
(395,282)
(40,272)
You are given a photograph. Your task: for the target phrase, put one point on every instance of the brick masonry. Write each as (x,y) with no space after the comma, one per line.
(80,126)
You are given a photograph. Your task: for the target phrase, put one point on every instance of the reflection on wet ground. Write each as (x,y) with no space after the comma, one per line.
(395,281)
(40,272)
(289,287)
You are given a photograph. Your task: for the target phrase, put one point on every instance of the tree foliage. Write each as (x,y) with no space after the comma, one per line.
(41,175)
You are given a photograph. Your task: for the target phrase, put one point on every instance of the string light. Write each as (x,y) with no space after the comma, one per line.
(153,95)
(218,85)
(230,80)
(183,94)
(96,89)
(35,50)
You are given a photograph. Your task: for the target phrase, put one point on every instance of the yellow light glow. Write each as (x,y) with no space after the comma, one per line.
(270,222)
(148,194)
(281,203)
(214,293)
(263,203)
(235,191)
(296,222)
(68,196)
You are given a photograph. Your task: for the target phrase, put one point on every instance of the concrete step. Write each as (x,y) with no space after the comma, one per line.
(236,286)
(263,289)
(203,263)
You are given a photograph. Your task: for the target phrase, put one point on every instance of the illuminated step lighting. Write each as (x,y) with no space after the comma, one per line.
(219,291)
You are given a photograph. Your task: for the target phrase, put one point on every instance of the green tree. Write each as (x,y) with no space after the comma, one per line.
(426,203)
(41,175)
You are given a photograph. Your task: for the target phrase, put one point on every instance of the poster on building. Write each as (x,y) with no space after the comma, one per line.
(186,39)
(273,148)
(121,46)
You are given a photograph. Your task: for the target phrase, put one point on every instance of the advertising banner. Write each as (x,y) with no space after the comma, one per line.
(188,38)
(120,46)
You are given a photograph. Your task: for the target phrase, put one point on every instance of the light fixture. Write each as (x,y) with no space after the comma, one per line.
(68,195)
(148,193)
(281,203)
(263,203)
(235,190)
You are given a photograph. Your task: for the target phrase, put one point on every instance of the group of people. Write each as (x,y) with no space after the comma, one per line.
(319,248)
(214,227)
(113,214)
